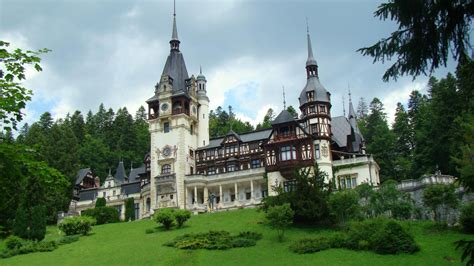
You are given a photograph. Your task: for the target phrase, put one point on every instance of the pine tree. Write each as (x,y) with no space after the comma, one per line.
(129,209)
(379,139)
(403,148)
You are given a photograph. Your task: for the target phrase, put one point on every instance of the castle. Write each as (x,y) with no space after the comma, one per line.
(188,170)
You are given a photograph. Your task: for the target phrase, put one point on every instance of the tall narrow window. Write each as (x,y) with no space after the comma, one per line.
(317,152)
(166,127)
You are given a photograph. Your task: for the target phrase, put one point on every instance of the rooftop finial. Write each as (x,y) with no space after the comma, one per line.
(307,25)
(343,106)
(349,89)
(284,100)
(200,69)
(174,8)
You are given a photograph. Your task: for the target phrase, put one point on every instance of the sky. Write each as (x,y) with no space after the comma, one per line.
(113,52)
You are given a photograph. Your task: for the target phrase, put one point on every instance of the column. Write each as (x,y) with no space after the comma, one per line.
(236,201)
(221,197)
(195,196)
(206,198)
(252,197)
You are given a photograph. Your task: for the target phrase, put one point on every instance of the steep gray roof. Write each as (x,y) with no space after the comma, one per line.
(320,93)
(135,173)
(310,61)
(81,174)
(283,117)
(131,188)
(87,194)
(245,137)
(341,130)
(175,67)
(120,173)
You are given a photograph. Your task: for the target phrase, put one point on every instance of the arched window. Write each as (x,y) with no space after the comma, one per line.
(166,169)
(148,204)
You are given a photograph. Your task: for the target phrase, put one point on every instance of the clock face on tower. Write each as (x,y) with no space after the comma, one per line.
(167,151)
(164,107)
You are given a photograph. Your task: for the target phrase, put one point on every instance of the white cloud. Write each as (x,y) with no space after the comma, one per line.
(401,95)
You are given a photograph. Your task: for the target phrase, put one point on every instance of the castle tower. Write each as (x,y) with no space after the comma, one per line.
(315,106)
(203,110)
(174,126)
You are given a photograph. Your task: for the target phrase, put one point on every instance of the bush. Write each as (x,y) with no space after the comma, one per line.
(181,216)
(67,239)
(344,205)
(76,225)
(100,202)
(103,215)
(13,242)
(310,245)
(129,209)
(279,218)
(165,217)
(214,240)
(380,235)
(393,239)
(467,218)
(29,246)
(46,246)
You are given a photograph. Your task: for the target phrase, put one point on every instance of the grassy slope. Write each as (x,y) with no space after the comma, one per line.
(127,244)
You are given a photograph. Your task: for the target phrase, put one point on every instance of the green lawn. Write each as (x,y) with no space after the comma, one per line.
(127,244)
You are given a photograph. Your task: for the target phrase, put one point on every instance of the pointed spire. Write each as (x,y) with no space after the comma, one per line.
(200,70)
(284,100)
(311,61)
(174,43)
(343,106)
(352,114)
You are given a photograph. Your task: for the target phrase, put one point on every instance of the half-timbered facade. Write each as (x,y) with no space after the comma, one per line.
(186,169)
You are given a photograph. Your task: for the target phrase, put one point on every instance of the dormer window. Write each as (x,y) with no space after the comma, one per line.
(322,109)
(310,95)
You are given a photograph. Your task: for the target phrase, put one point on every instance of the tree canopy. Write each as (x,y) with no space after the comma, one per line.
(427,31)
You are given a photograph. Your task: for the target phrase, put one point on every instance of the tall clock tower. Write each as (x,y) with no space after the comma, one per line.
(177,122)
(315,106)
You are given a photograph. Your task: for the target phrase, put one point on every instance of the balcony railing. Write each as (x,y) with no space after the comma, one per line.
(362,159)
(252,171)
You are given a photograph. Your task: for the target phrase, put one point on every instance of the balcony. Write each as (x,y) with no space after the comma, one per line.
(354,160)
(225,176)
(165,178)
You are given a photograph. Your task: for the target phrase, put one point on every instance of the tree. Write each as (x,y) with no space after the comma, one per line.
(30,219)
(280,217)
(388,200)
(403,147)
(100,202)
(267,120)
(129,209)
(380,140)
(427,31)
(292,111)
(308,196)
(440,198)
(465,162)
(344,205)
(12,71)
(362,109)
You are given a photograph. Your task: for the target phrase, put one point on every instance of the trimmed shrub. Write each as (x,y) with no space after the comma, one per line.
(46,246)
(100,202)
(181,217)
(76,225)
(393,239)
(67,239)
(37,223)
(214,240)
(129,209)
(165,217)
(467,217)
(103,215)
(310,245)
(13,242)
(29,246)
(380,235)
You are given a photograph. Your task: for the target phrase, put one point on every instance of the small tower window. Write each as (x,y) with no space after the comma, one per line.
(310,95)
(317,153)
(166,127)
(166,169)
(322,109)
